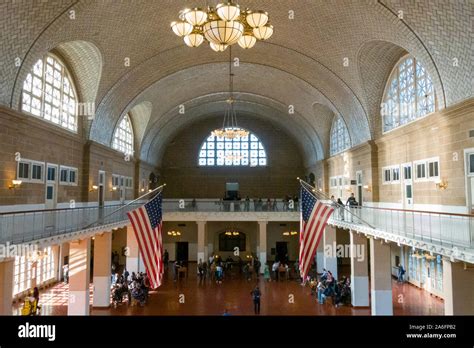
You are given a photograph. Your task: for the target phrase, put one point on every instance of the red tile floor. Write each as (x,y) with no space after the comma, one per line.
(209,298)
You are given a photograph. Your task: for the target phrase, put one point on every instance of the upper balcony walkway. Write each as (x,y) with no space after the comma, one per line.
(442,233)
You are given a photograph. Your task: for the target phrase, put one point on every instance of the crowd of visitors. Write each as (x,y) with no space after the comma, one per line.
(135,289)
(327,286)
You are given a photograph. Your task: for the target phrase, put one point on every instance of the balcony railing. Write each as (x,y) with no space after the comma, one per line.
(27,226)
(216,205)
(445,229)
(450,230)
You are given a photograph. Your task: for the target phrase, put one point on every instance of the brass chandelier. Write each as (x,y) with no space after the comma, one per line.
(230,129)
(222,26)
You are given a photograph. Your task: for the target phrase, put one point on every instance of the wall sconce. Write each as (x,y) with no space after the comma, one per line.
(442,184)
(94,188)
(15,184)
(290,233)
(114,188)
(368,188)
(142,189)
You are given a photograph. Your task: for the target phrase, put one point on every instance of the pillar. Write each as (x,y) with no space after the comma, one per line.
(380,278)
(202,241)
(79,277)
(359,271)
(102,269)
(320,257)
(6,285)
(262,239)
(132,252)
(458,288)
(330,257)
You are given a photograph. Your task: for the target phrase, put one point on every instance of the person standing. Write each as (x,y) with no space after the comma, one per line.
(266,273)
(401,272)
(352,203)
(256,295)
(341,209)
(256,266)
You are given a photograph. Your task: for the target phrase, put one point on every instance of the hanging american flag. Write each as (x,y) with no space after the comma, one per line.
(147,224)
(314,217)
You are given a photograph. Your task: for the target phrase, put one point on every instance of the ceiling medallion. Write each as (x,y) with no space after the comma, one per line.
(222,26)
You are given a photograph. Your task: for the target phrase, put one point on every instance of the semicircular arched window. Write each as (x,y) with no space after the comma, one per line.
(49,92)
(243,151)
(340,139)
(409,94)
(123,136)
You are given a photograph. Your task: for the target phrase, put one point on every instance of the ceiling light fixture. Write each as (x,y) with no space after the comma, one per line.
(222,26)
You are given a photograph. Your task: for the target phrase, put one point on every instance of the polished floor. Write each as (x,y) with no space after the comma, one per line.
(190,297)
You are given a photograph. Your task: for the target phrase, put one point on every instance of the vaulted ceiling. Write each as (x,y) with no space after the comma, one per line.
(331,58)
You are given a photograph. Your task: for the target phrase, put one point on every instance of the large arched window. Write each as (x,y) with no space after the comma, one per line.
(123,136)
(340,139)
(49,93)
(243,151)
(409,94)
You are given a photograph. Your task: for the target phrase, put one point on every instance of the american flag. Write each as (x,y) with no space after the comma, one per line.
(314,217)
(147,224)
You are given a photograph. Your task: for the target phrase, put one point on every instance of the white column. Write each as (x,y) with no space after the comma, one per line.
(320,257)
(6,285)
(359,271)
(458,288)
(79,277)
(202,241)
(262,239)
(380,278)
(330,258)
(102,269)
(132,262)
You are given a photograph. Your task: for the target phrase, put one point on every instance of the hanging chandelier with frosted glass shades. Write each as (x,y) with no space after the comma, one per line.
(230,129)
(222,26)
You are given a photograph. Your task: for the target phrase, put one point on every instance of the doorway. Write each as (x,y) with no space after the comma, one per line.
(407,186)
(359,186)
(182,252)
(281,252)
(469,180)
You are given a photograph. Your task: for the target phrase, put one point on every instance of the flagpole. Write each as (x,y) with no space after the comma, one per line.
(125,205)
(313,191)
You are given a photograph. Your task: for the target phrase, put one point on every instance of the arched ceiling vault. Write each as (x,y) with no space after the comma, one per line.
(251,105)
(323,56)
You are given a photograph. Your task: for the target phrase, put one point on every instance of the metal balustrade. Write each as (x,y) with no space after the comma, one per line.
(445,229)
(216,205)
(27,226)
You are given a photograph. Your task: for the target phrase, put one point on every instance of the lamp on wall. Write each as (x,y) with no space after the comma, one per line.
(290,233)
(94,188)
(368,188)
(442,184)
(114,188)
(15,184)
